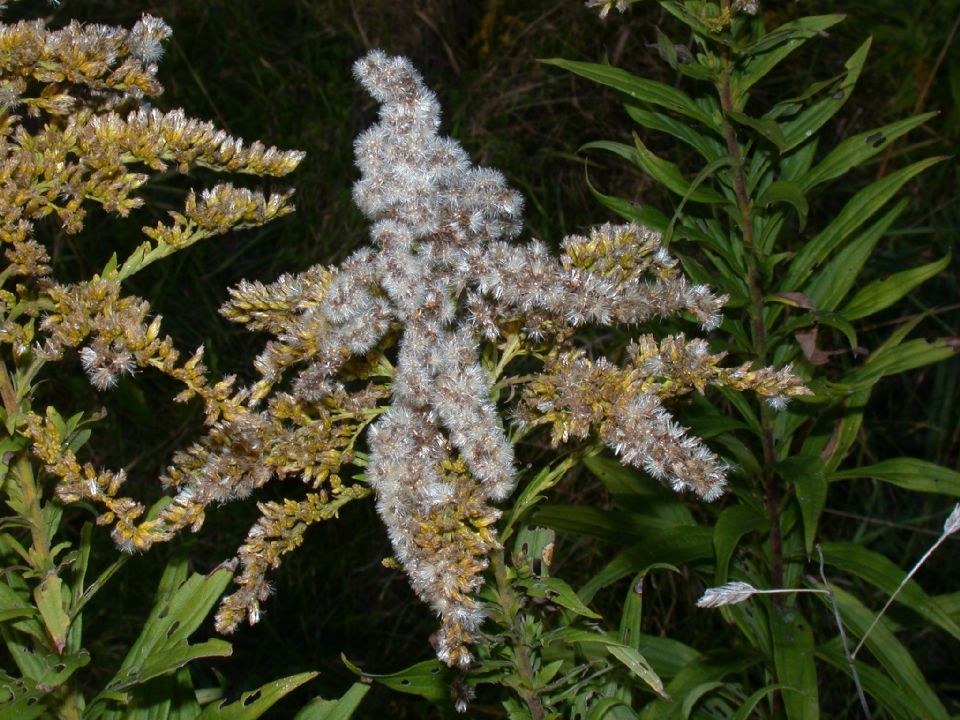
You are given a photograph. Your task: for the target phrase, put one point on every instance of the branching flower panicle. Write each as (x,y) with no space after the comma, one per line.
(409,338)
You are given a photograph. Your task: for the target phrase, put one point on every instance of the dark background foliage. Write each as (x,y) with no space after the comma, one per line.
(279,70)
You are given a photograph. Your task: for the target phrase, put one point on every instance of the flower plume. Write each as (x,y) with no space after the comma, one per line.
(395,362)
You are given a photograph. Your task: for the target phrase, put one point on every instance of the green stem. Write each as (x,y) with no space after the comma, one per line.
(754,257)
(510,606)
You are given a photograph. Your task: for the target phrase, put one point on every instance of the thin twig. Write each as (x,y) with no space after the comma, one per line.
(903,584)
(851,660)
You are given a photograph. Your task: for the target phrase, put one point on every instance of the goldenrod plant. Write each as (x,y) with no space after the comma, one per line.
(755,166)
(414,338)
(77,131)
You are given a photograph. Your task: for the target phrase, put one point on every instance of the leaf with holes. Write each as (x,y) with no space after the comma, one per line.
(255,703)
(556,591)
(428,679)
(163,644)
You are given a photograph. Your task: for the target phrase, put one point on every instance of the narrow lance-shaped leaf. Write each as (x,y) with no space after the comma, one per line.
(163,644)
(909,473)
(881,294)
(428,679)
(340,709)
(733,524)
(649,91)
(878,686)
(788,192)
(792,639)
(708,147)
(858,210)
(255,703)
(882,573)
(759,58)
(856,150)
(834,279)
(805,125)
(765,127)
(892,656)
(644,215)
(629,656)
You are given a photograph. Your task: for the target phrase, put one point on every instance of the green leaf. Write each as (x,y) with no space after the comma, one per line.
(629,656)
(255,703)
(788,192)
(661,170)
(893,361)
(49,596)
(18,701)
(606,709)
(693,21)
(881,294)
(168,697)
(532,493)
(674,546)
(858,210)
(557,591)
(342,709)
(908,473)
(808,476)
(885,575)
(891,356)
(614,526)
(709,148)
(709,667)
(765,127)
(734,522)
(856,150)
(632,490)
(649,91)
(808,122)
(707,172)
(672,178)
(891,654)
(61,668)
(834,280)
(793,658)
(875,683)
(763,55)
(163,645)
(632,615)
(428,679)
(642,215)
(745,711)
(695,695)
(12,605)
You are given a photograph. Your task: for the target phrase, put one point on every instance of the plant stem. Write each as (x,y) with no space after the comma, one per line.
(851,660)
(510,606)
(753,256)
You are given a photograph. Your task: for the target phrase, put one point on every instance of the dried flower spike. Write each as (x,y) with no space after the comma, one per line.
(729,594)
